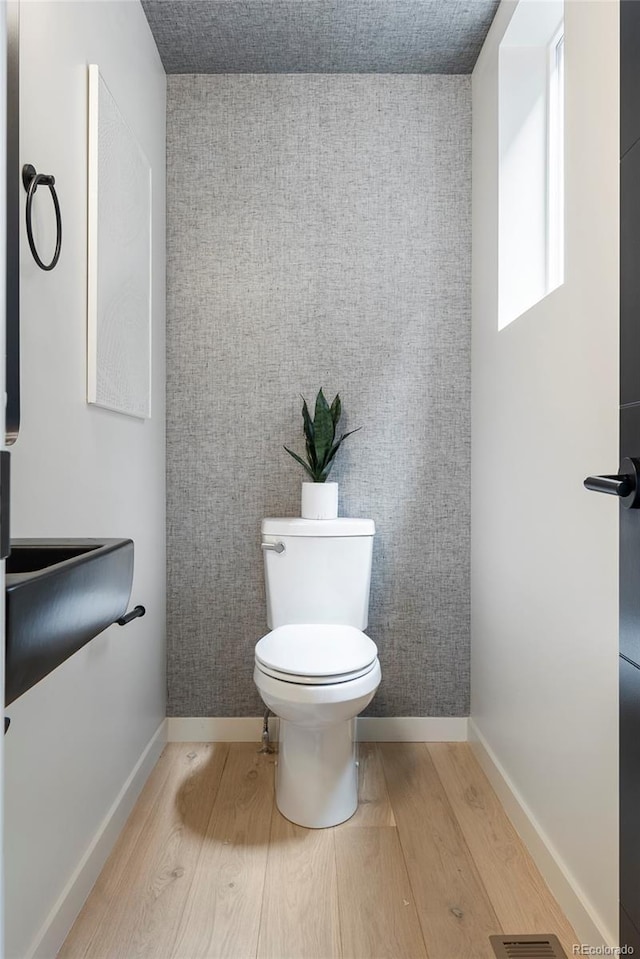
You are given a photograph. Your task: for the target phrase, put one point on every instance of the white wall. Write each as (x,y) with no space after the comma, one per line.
(79,471)
(544,551)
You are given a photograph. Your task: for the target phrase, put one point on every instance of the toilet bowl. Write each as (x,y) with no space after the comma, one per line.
(317,670)
(317,678)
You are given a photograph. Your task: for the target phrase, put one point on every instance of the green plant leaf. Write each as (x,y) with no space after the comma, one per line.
(308,434)
(299,459)
(311,456)
(323,430)
(328,463)
(336,446)
(336,411)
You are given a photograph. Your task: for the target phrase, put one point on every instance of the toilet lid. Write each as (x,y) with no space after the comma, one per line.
(316,650)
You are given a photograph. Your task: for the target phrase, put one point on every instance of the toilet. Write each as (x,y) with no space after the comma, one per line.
(317,670)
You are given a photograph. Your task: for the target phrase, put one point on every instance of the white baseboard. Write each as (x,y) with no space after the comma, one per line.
(578,910)
(63,915)
(214,729)
(241,729)
(412,729)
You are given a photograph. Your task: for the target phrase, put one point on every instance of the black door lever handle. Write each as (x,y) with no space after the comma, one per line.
(625,484)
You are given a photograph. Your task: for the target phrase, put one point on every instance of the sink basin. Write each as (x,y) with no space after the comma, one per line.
(60,593)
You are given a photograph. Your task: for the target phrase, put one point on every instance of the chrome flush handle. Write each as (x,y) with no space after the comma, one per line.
(276,547)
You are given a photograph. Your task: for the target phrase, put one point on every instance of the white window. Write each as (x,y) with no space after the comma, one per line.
(531,157)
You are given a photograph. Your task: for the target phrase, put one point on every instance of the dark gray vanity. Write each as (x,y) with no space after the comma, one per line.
(60,593)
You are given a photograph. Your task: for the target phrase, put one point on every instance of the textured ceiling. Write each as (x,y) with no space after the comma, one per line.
(319,36)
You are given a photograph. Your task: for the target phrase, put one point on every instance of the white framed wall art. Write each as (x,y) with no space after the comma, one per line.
(119,260)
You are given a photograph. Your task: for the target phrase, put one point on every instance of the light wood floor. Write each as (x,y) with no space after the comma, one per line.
(428,868)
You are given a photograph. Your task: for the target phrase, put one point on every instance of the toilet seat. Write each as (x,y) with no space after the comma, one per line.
(315,654)
(314,680)
(283,696)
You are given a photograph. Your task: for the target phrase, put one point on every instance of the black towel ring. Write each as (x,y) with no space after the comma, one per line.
(31,181)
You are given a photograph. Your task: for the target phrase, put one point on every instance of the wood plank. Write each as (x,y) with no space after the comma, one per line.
(222,916)
(377,910)
(374,806)
(454,910)
(197,874)
(518,893)
(81,935)
(300,917)
(147,880)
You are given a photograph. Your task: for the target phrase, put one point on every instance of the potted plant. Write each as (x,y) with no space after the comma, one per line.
(319,498)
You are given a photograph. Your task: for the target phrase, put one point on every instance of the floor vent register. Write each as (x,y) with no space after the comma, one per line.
(527,947)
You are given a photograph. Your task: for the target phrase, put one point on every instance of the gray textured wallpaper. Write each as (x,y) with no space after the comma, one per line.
(319,36)
(319,235)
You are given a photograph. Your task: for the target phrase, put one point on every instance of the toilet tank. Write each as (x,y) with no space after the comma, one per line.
(322,575)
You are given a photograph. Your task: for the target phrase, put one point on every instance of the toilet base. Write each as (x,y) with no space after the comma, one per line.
(316,774)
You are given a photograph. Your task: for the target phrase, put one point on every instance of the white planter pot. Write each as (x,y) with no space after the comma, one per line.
(319,501)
